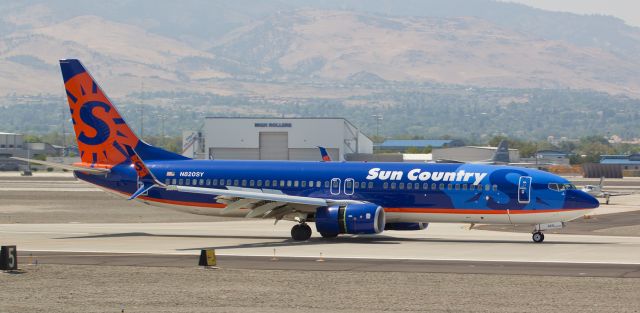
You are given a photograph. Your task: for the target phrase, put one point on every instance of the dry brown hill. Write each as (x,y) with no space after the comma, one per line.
(272,55)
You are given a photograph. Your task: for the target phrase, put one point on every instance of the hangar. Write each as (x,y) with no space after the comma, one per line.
(238,138)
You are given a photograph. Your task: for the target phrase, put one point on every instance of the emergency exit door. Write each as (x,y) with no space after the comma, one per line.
(524,189)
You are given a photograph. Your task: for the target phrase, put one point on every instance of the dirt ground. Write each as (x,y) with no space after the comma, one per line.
(63,288)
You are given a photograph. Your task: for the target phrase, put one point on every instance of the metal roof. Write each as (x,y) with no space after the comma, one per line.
(435,143)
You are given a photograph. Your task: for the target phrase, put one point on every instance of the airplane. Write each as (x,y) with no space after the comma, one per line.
(324,154)
(340,197)
(599,192)
(501,156)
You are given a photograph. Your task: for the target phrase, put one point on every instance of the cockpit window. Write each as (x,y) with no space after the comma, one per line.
(561,187)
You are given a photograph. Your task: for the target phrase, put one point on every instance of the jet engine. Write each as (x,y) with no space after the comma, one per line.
(365,218)
(405,226)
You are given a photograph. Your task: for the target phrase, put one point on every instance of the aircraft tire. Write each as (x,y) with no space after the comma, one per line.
(537,237)
(328,235)
(301,232)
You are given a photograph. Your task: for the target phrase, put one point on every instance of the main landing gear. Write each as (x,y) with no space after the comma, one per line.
(301,232)
(538,237)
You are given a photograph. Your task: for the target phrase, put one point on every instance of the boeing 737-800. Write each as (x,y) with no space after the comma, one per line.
(339,197)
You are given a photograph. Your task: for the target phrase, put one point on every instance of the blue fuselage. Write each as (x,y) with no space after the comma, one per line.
(408,192)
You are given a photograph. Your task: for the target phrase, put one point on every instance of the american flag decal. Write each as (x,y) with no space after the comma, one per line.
(171,174)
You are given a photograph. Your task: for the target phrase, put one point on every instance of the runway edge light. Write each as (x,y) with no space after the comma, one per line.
(207,258)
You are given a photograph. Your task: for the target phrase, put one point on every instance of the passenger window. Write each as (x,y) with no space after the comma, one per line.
(318,184)
(495,187)
(228,182)
(464,187)
(457,186)
(425,186)
(167,181)
(201,182)
(326,184)
(449,187)
(311,184)
(441,186)
(181,181)
(393,185)
(244,183)
(274,183)
(259,183)
(214,182)
(370,185)
(288,183)
(236,182)
(173,181)
(409,186)
(296,183)
(252,183)
(267,183)
(433,186)
(487,187)
(416,186)
(401,186)
(208,182)
(187,182)
(356,185)
(282,183)
(304,183)
(385,185)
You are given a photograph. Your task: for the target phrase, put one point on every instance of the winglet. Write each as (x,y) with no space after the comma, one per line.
(145,177)
(324,154)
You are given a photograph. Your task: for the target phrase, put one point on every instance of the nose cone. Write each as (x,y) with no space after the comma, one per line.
(578,199)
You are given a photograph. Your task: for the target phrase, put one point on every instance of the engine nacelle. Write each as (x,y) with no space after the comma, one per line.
(366,218)
(405,226)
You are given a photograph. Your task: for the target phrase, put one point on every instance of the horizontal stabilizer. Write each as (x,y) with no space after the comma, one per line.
(69,167)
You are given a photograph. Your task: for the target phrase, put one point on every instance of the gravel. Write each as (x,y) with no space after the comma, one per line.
(66,288)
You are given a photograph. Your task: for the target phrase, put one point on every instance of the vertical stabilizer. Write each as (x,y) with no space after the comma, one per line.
(502,153)
(102,134)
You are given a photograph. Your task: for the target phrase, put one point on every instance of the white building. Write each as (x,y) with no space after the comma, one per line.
(228,138)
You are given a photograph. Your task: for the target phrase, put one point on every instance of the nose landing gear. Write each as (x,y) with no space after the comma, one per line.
(301,232)
(537,237)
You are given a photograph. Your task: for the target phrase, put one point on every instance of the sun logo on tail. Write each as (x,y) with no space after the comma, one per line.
(100,130)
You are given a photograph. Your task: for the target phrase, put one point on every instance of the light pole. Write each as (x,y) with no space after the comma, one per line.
(378,118)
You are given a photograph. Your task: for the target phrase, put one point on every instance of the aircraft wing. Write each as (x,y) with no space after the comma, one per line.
(69,167)
(614,194)
(265,203)
(261,203)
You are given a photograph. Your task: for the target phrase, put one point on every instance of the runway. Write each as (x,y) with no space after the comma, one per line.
(321,263)
(444,242)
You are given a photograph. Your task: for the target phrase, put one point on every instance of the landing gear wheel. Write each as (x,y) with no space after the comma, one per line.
(301,232)
(538,237)
(328,235)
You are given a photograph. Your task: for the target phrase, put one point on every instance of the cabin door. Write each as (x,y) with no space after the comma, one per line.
(524,189)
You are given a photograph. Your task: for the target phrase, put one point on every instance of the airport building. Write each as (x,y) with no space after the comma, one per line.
(232,138)
(400,145)
(13,145)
